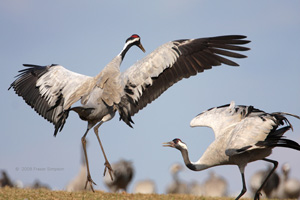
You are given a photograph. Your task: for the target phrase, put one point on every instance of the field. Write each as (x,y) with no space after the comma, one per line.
(28,194)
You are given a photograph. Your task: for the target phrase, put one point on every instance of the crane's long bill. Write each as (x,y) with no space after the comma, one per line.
(168,144)
(141,47)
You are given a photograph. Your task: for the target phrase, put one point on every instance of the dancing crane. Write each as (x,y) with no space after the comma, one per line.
(243,134)
(52,90)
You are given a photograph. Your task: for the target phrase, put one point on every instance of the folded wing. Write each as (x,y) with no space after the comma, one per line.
(260,131)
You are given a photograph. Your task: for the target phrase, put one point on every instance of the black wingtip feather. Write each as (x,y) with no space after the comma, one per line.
(25,86)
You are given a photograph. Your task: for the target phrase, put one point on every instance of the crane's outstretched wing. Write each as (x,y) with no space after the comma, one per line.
(224,118)
(50,91)
(260,131)
(147,79)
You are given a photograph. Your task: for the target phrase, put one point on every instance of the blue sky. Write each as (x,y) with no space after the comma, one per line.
(84,36)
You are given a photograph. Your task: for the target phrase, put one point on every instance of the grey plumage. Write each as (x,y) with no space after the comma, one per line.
(148,78)
(243,134)
(123,172)
(52,90)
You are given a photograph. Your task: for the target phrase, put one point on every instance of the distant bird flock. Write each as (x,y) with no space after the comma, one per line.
(243,134)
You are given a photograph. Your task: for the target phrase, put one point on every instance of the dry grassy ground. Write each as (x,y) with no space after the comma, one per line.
(29,194)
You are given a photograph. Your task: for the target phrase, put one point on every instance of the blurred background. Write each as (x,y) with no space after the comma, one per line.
(84,36)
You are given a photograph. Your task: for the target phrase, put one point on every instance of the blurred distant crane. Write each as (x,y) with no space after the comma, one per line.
(38,185)
(196,189)
(215,186)
(144,187)
(271,185)
(79,181)
(289,188)
(177,186)
(5,180)
(122,175)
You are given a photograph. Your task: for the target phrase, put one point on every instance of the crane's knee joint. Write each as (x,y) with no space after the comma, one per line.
(83,140)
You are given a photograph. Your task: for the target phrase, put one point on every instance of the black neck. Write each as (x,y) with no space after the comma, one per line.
(186,159)
(124,51)
(189,164)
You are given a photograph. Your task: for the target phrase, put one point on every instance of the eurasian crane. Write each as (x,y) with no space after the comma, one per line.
(243,134)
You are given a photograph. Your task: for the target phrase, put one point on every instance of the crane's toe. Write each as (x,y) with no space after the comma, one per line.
(90,181)
(109,168)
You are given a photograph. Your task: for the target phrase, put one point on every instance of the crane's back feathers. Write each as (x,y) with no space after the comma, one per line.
(223,117)
(246,127)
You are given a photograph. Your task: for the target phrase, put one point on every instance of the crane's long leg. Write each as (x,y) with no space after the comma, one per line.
(89,178)
(275,163)
(107,164)
(244,187)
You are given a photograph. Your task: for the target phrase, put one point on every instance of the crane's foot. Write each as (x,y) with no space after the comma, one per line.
(257,196)
(90,181)
(109,169)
